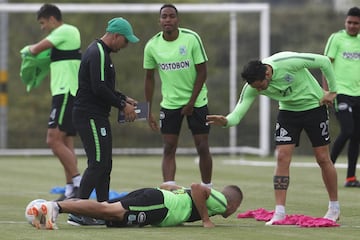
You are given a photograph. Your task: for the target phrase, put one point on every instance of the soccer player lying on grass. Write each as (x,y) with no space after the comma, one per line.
(169,205)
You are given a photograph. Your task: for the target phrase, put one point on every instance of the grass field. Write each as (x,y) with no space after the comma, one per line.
(26,178)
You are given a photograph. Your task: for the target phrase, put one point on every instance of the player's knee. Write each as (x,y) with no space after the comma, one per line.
(202,147)
(169,149)
(203,150)
(113,211)
(107,211)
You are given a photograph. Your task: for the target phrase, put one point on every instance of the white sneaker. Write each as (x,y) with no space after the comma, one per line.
(39,220)
(45,216)
(333,214)
(276,217)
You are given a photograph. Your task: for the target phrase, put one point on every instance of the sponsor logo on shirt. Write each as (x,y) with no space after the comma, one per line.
(351,55)
(174,65)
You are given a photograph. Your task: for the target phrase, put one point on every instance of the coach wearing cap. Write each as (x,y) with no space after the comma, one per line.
(95,97)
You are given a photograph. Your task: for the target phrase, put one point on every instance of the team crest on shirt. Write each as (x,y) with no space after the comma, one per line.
(288,78)
(182,50)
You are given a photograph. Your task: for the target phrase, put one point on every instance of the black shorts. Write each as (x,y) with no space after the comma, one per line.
(96,136)
(171,120)
(145,207)
(315,122)
(347,103)
(347,111)
(61,113)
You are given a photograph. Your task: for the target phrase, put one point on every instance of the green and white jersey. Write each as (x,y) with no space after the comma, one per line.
(345,50)
(292,85)
(64,73)
(175,62)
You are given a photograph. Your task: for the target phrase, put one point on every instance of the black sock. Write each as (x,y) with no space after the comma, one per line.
(60,209)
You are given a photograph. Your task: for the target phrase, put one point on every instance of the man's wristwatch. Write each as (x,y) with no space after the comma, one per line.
(122,104)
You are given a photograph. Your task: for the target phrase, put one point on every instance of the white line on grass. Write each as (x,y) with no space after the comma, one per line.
(13,222)
(244,162)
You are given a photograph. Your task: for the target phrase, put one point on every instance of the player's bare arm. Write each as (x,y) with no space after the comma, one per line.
(149,92)
(199,195)
(201,76)
(40,46)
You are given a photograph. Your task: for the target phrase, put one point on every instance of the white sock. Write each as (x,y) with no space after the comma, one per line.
(68,189)
(334,204)
(76,180)
(56,207)
(209,185)
(170,182)
(280,209)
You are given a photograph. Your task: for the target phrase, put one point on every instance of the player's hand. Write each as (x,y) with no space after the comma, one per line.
(25,51)
(218,120)
(131,101)
(169,187)
(187,110)
(129,112)
(153,123)
(328,98)
(208,224)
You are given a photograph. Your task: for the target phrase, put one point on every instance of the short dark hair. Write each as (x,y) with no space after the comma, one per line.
(233,193)
(238,191)
(170,6)
(48,10)
(254,71)
(354,11)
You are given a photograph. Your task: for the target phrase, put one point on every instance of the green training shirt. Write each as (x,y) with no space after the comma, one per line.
(216,203)
(64,73)
(345,50)
(175,62)
(180,206)
(292,85)
(34,69)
